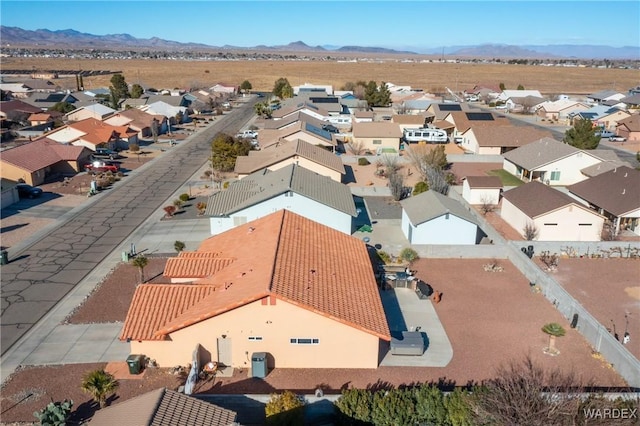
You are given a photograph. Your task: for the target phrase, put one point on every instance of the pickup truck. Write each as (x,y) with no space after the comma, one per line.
(105,153)
(101,166)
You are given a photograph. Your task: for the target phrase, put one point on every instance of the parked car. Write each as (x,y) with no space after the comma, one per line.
(105,153)
(247,134)
(27,191)
(605,133)
(617,138)
(101,166)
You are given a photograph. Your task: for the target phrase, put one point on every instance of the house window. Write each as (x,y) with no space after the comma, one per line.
(255,338)
(377,141)
(555,175)
(288,194)
(585,224)
(550,224)
(304,341)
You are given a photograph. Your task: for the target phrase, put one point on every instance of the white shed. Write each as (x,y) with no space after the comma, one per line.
(482,189)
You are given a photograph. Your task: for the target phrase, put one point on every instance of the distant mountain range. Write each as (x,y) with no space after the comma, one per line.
(18,37)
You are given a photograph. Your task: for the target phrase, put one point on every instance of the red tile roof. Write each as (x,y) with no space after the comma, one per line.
(283,255)
(195,265)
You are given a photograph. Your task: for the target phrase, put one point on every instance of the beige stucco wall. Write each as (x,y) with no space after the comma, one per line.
(11,172)
(340,345)
(367,143)
(309,165)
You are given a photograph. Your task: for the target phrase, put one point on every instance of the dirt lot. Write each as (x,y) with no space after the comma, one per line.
(490,318)
(428,76)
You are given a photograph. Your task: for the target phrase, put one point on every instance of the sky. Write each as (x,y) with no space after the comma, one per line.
(396,24)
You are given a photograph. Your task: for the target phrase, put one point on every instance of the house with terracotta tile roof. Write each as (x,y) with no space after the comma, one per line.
(555,163)
(614,194)
(629,127)
(100,134)
(479,190)
(298,290)
(552,213)
(497,140)
(35,161)
(164,407)
(299,152)
(138,121)
(292,187)
(434,218)
(377,136)
(44,118)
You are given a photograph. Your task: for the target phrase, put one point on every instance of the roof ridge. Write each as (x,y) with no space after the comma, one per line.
(277,254)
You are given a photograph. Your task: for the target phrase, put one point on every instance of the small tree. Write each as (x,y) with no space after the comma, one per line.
(520,87)
(420,188)
(55,413)
(155,128)
(284,409)
(554,330)
(136,91)
(282,88)
(245,86)
(530,231)
(134,147)
(396,185)
(582,135)
(550,260)
(99,384)
(408,254)
(486,205)
(184,197)
(202,206)
(179,246)
(178,203)
(356,147)
(140,262)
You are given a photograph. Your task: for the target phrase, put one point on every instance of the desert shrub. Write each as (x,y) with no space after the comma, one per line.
(120,174)
(408,254)
(284,409)
(201,206)
(179,246)
(134,147)
(55,413)
(178,203)
(384,256)
(169,210)
(184,197)
(363,161)
(226,185)
(420,188)
(492,104)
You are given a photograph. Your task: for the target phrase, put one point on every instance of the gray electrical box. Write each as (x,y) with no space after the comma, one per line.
(259,365)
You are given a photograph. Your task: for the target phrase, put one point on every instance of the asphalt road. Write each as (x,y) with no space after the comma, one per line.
(40,275)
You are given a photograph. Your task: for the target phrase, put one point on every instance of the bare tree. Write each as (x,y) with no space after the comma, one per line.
(390,163)
(437,180)
(550,260)
(609,231)
(396,185)
(530,231)
(523,393)
(487,205)
(356,147)
(425,157)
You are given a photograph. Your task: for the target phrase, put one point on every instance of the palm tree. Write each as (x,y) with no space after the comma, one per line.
(140,261)
(99,384)
(554,330)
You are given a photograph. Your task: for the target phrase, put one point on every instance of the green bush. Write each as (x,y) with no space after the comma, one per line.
(363,161)
(284,409)
(408,254)
(55,413)
(492,104)
(225,185)
(420,188)
(184,197)
(384,256)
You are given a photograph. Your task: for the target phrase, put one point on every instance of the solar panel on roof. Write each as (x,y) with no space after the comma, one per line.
(325,100)
(317,131)
(479,116)
(450,107)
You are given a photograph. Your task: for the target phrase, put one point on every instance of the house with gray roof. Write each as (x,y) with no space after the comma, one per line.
(434,218)
(298,152)
(294,188)
(604,95)
(550,214)
(552,162)
(614,194)
(164,407)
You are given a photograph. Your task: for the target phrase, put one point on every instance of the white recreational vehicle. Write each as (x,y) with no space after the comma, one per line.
(431,135)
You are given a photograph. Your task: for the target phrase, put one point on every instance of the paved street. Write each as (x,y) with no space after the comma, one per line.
(43,270)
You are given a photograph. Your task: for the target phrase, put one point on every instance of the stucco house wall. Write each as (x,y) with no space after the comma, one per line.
(570,223)
(294,202)
(569,168)
(309,165)
(339,345)
(445,229)
(480,196)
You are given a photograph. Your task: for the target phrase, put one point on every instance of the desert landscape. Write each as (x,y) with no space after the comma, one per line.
(429,76)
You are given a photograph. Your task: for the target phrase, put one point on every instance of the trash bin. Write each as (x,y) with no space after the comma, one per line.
(259,365)
(4,257)
(135,363)
(125,256)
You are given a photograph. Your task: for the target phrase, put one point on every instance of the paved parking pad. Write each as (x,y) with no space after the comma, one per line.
(406,312)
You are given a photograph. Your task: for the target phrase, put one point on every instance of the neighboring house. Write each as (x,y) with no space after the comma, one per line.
(615,195)
(299,152)
(410,121)
(163,108)
(299,291)
(440,110)
(293,188)
(463,121)
(497,140)
(8,192)
(363,116)
(354,104)
(632,101)
(434,218)
(560,109)
(44,101)
(228,89)
(138,121)
(306,107)
(377,136)
(301,130)
(35,161)
(482,190)
(293,120)
(173,100)
(506,95)
(17,110)
(629,127)
(39,118)
(163,407)
(552,213)
(97,111)
(551,162)
(312,88)
(525,104)
(604,95)
(17,90)
(610,118)
(99,134)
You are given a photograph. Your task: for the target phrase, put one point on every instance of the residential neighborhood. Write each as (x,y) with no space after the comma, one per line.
(227,241)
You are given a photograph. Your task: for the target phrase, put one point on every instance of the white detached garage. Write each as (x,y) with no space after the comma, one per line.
(433,218)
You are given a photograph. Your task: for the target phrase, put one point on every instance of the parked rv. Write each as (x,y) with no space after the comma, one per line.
(431,135)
